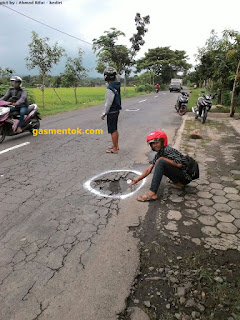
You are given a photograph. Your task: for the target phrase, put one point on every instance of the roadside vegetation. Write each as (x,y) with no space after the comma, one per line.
(218,69)
(194,95)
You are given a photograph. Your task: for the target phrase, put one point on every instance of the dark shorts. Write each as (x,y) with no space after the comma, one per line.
(112,121)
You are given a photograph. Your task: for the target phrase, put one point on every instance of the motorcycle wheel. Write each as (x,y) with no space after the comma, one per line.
(2,134)
(204,117)
(35,124)
(182,110)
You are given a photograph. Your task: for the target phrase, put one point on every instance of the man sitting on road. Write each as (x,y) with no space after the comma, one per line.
(112,107)
(168,162)
(20,102)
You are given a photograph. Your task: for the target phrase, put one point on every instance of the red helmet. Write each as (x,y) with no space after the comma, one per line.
(156,136)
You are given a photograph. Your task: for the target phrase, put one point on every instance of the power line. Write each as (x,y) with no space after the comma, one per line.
(46,25)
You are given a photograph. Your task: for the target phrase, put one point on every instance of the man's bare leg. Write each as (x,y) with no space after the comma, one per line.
(115,136)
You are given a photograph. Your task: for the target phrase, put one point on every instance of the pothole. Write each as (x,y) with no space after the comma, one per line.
(114,184)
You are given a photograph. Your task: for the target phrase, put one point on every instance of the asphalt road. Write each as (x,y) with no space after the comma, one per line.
(65,252)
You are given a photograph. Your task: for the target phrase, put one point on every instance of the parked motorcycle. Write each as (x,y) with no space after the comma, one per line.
(204,104)
(182,103)
(9,120)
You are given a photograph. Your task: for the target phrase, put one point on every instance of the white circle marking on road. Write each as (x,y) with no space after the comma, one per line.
(87,185)
(132,109)
(15,147)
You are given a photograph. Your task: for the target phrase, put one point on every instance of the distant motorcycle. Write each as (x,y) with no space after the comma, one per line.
(182,103)
(9,120)
(204,104)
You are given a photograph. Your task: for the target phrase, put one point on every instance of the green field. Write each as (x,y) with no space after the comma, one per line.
(87,96)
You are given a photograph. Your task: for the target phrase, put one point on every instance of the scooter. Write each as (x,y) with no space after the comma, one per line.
(9,120)
(182,103)
(204,104)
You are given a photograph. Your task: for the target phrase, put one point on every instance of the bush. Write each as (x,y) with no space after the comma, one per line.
(140,88)
(164,87)
(147,87)
(227,98)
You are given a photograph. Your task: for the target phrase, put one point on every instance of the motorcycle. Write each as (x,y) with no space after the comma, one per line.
(9,120)
(204,104)
(182,103)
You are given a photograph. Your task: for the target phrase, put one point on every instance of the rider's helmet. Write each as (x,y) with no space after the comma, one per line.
(156,136)
(110,74)
(16,79)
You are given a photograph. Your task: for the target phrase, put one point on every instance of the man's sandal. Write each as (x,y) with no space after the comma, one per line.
(146,198)
(111,151)
(111,147)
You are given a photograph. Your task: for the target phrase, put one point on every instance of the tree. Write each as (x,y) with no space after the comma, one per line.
(74,72)
(214,69)
(164,62)
(110,53)
(137,38)
(219,64)
(5,74)
(43,57)
(234,54)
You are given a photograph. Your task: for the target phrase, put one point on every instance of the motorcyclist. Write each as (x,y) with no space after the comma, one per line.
(19,99)
(167,161)
(157,87)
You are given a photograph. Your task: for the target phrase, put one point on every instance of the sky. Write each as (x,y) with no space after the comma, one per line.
(181,25)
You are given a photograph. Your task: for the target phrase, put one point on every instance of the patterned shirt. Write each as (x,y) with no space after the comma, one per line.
(174,155)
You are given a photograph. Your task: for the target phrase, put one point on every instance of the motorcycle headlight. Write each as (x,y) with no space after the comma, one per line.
(4,111)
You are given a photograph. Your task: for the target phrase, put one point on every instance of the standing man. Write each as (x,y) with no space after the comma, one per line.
(19,98)
(112,107)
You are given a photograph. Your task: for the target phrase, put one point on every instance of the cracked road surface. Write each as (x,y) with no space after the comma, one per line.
(66,253)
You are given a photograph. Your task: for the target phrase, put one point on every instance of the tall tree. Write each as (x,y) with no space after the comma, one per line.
(74,72)
(43,57)
(137,38)
(117,55)
(164,62)
(234,55)
(111,54)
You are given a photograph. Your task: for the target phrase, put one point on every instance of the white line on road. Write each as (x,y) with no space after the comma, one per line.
(15,147)
(155,96)
(132,109)
(142,101)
